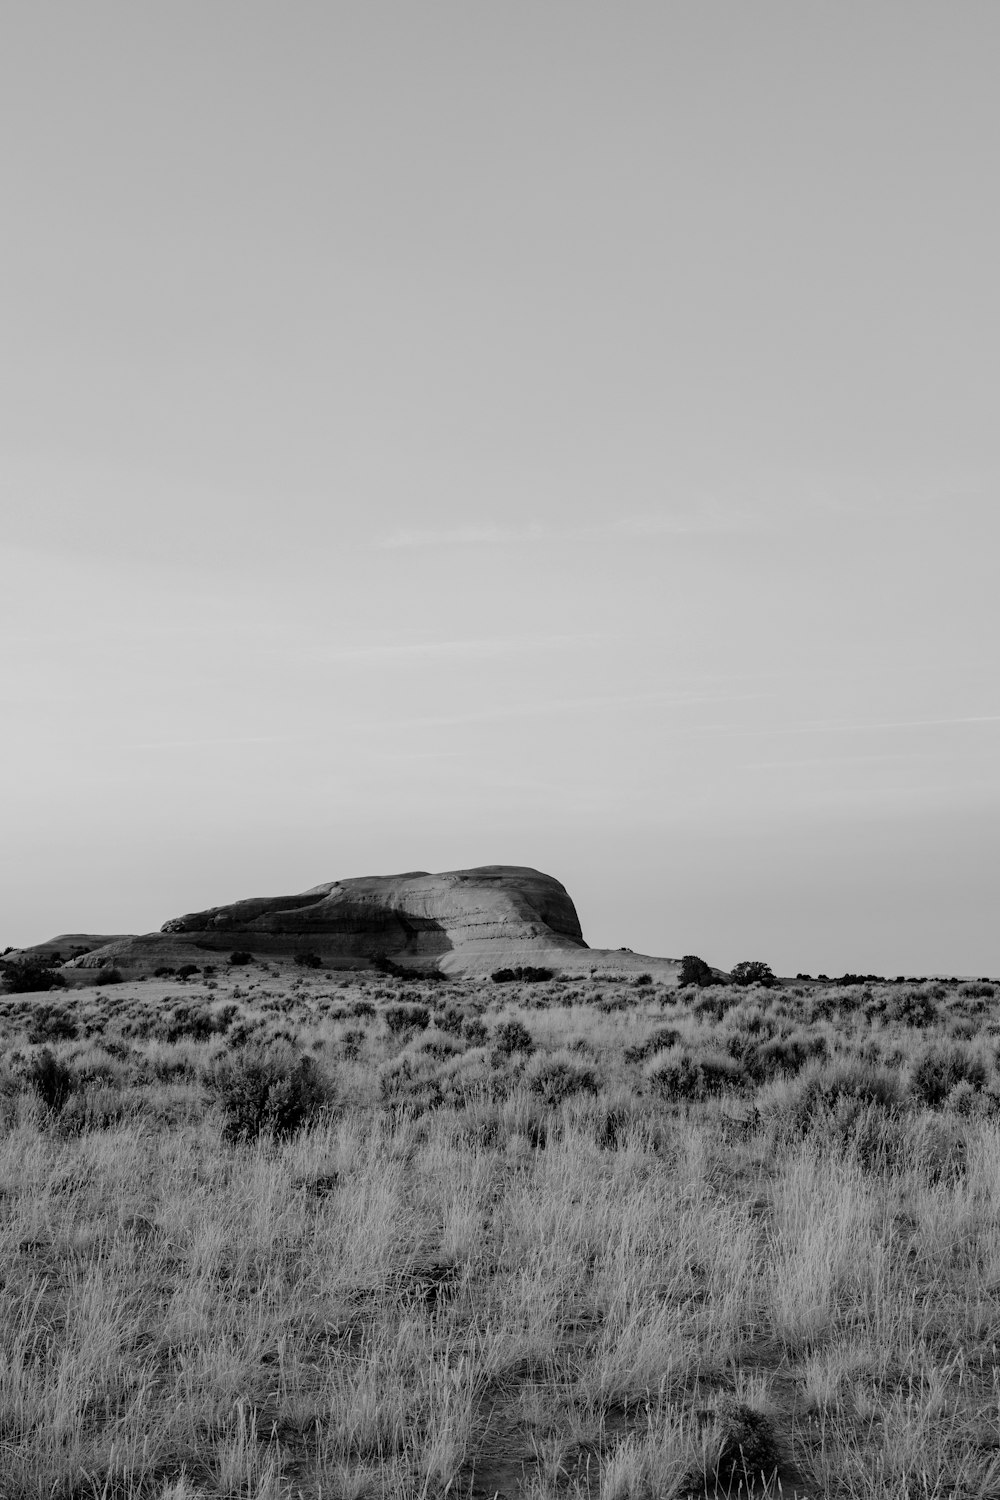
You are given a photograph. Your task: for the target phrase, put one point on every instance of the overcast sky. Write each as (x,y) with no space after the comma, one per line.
(547,433)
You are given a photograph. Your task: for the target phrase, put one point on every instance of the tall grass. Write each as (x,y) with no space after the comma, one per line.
(532,1269)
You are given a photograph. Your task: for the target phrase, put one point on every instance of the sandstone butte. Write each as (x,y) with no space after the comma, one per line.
(457,922)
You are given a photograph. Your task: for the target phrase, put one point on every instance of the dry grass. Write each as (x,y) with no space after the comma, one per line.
(478,1270)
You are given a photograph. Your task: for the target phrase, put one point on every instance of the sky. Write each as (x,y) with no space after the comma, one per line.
(551,434)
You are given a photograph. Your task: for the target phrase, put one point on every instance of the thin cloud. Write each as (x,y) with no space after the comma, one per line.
(837,726)
(564,705)
(239,739)
(485,648)
(706,518)
(834,726)
(845,760)
(780,503)
(465,536)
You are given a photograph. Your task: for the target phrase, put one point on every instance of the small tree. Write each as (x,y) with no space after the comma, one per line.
(695,970)
(752,971)
(29,978)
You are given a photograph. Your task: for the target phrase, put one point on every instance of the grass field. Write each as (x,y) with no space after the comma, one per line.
(278,1232)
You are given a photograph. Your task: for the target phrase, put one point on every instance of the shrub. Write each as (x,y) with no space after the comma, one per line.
(786,1054)
(719,1071)
(186,970)
(309,960)
(793,1106)
(752,971)
(384,965)
(240,957)
(468,1077)
(93,1109)
(910,1007)
(964,1098)
(748,1021)
(474,1032)
(557,1075)
(437,1044)
(978,989)
(642,981)
(716,1004)
(747,1451)
(249,1029)
(410,1080)
(351,1043)
(674,1074)
(941,1066)
(511,1037)
(51,1023)
(679,1074)
(109,976)
(272,1091)
(51,1080)
(401,1018)
(195,1022)
(658,1041)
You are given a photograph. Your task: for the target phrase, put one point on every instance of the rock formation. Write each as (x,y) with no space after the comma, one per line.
(459,922)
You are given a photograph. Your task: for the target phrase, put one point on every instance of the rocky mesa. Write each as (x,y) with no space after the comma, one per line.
(459,921)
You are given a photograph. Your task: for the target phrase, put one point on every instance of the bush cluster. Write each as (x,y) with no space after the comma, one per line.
(193,1022)
(51,1080)
(268,1091)
(29,978)
(402,1018)
(941,1067)
(658,1041)
(52,1023)
(527,974)
(511,1037)
(752,971)
(558,1075)
(678,1073)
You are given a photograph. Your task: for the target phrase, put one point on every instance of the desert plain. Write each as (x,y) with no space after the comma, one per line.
(278,1227)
